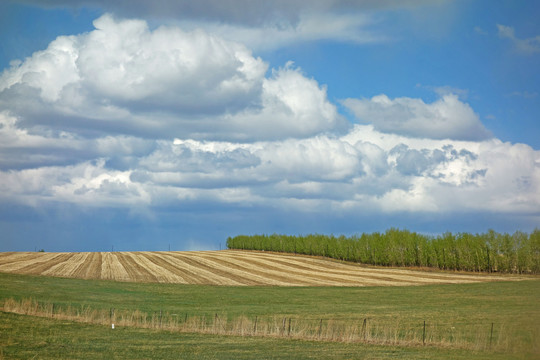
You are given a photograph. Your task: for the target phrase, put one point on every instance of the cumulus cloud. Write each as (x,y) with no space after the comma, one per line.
(122,62)
(349,173)
(446,118)
(124,78)
(169,118)
(166,67)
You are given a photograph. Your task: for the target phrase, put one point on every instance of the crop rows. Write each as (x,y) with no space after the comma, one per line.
(227,267)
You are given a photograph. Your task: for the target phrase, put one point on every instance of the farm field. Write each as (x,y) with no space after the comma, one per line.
(456,309)
(231,268)
(27,337)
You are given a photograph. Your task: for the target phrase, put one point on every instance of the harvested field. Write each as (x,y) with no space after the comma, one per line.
(228,267)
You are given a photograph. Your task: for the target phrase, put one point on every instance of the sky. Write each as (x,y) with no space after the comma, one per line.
(156,125)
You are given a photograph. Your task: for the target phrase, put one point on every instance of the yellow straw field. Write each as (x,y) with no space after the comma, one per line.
(228,267)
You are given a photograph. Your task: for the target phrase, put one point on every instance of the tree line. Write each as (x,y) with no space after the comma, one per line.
(486,252)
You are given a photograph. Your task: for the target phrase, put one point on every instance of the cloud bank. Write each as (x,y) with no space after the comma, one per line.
(132,118)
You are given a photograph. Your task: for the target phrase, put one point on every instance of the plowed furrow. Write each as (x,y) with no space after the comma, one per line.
(45,263)
(67,266)
(373,273)
(112,269)
(20,262)
(10,258)
(191,274)
(135,271)
(306,264)
(208,272)
(311,276)
(163,263)
(277,276)
(162,273)
(225,268)
(243,274)
(230,273)
(364,277)
(90,268)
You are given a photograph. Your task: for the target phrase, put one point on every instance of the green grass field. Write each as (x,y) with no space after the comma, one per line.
(27,337)
(467,308)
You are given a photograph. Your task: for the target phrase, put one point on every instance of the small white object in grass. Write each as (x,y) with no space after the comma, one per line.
(113,326)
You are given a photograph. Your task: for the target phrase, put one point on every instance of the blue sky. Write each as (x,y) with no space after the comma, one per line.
(177,123)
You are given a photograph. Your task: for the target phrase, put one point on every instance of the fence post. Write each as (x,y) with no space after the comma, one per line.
(424,334)
(320,329)
(255,326)
(364,329)
(289,332)
(491,336)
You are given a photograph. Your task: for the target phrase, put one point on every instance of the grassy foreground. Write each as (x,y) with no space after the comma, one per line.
(27,337)
(467,309)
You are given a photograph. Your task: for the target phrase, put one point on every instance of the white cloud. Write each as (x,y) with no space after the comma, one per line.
(292,105)
(309,26)
(124,78)
(170,118)
(315,159)
(349,173)
(446,118)
(524,46)
(49,70)
(123,61)
(447,90)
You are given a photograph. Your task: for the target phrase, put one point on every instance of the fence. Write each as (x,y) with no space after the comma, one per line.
(477,337)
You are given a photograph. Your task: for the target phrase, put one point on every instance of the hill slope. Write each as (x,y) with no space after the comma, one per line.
(226,267)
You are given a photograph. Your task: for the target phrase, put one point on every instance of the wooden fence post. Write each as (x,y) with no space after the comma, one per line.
(364,329)
(491,336)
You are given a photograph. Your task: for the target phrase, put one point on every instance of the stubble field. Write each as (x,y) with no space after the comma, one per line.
(230,268)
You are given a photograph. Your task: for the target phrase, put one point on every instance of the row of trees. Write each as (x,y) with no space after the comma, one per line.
(487,252)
